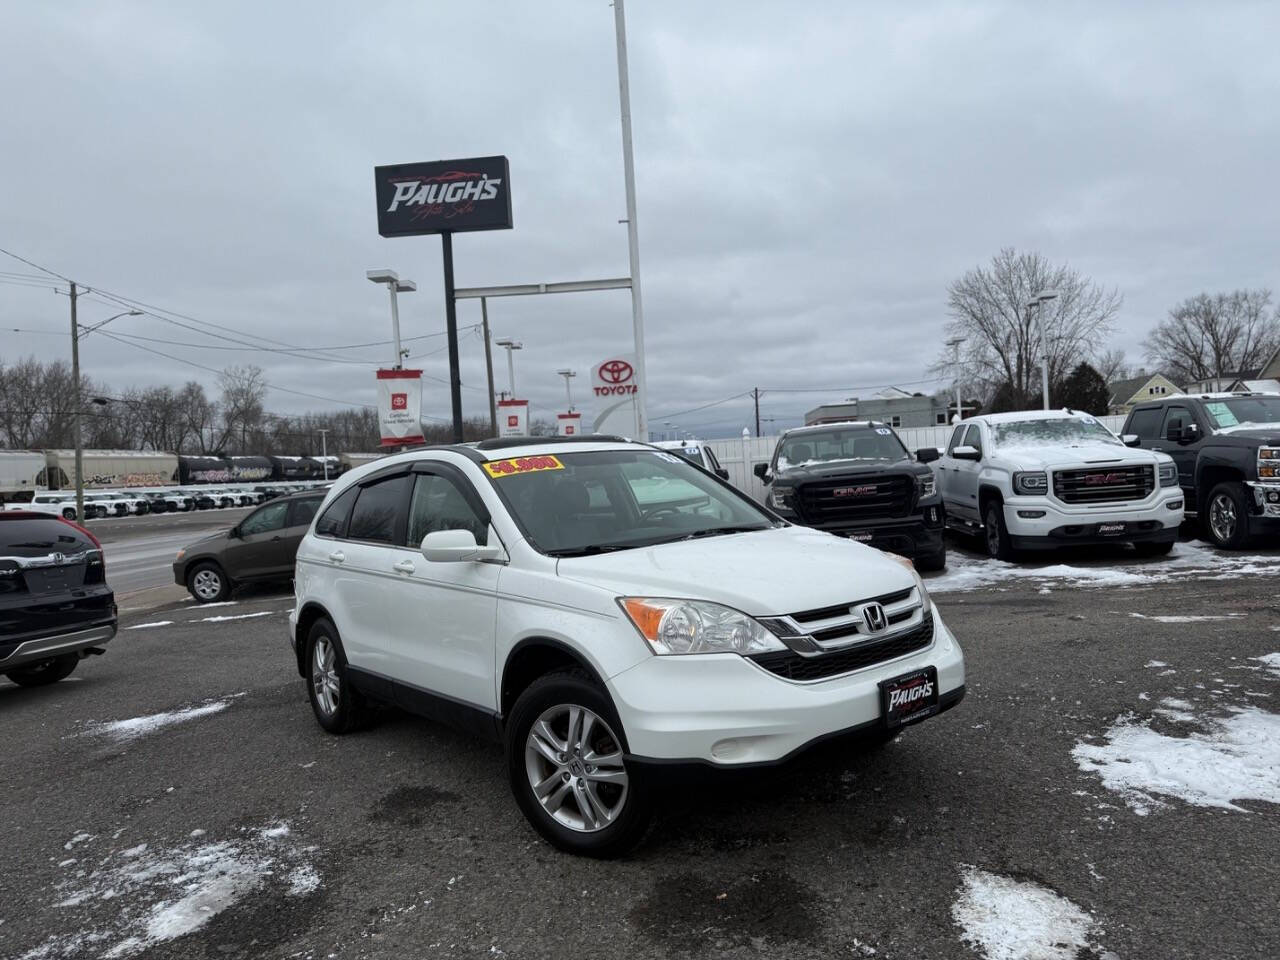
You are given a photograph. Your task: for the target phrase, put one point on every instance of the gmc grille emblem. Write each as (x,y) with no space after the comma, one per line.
(874,617)
(1098,479)
(863,491)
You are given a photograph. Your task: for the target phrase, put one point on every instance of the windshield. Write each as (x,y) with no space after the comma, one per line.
(579,503)
(1035,433)
(1243,411)
(849,443)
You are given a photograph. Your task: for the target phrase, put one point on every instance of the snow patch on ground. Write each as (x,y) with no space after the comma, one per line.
(1229,758)
(1270,660)
(1200,618)
(1009,919)
(167,893)
(1188,560)
(233,616)
(148,626)
(136,727)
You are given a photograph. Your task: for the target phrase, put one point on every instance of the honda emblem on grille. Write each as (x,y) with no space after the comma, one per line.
(863,491)
(874,616)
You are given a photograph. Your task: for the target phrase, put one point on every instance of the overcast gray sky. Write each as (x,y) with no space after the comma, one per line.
(810,178)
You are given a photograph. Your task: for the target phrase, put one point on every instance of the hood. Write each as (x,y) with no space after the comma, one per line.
(763,573)
(206,543)
(1066,457)
(832,469)
(1265,434)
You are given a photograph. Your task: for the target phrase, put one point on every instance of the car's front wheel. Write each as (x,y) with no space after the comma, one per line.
(933,561)
(565,758)
(44,672)
(208,583)
(996,533)
(1227,516)
(338,706)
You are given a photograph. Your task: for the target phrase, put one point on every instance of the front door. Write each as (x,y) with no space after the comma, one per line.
(1184,453)
(964,479)
(254,552)
(441,615)
(946,470)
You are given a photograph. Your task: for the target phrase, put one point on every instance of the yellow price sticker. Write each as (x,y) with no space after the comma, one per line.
(509,468)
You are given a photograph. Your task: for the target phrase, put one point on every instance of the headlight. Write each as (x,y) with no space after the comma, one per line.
(694,626)
(1269,463)
(1168,474)
(780,498)
(928,486)
(1032,484)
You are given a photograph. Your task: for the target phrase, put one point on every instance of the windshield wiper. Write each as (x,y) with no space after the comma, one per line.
(592,548)
(719,531)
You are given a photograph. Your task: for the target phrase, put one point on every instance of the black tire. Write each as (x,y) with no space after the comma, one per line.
(996,534)
(630,820)
(208,582)
(875,740)
(44,672)
(68,513)
(347,710)
(1158,548)
(1226,516)
(934,561)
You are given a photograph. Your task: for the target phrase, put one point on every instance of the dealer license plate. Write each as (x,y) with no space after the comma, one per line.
(912,696)
(861,537)
(1110,529)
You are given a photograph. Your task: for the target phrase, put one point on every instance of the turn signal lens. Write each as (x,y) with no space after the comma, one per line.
(695,626)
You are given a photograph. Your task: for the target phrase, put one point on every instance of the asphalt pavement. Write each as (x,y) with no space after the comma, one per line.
(220,821)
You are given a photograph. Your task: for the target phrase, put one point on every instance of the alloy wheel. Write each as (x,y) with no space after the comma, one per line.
(1222,517)
(575,769)
(324,675)
(206,585)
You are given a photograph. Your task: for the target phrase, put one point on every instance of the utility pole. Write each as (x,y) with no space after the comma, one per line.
(955,367)
(75,420)
(488,365)
(324,451)
(755,394)
(1038,301)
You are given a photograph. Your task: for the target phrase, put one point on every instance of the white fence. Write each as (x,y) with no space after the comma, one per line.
(740,455)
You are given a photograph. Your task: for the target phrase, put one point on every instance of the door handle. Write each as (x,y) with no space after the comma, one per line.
(338,556)
(275,539)
(404,566)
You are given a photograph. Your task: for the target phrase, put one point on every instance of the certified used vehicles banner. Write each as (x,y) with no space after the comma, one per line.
(400,406)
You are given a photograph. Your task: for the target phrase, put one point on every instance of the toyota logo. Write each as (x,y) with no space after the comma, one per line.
(615,371)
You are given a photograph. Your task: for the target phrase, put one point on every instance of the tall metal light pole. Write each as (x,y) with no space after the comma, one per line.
(78,398)
(1038,301)
(633,237)
(510,346)
(324,450)
(488,365)
(568,393)
(395,285)
(954,344)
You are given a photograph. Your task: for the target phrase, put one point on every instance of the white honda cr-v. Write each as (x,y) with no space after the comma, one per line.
(608,611)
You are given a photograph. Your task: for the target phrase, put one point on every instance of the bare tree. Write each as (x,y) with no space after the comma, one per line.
(199,416)
(989,311)
(243,395)
(1213,335)
(1113,366)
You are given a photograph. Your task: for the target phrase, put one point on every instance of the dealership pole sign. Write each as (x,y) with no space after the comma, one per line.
(617,392)
(513,418)
(400,407)
(445,197)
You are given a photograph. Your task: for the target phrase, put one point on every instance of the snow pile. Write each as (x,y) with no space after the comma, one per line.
(1008,919)
(1270,660)
(136,727)
(160,896)
(1231,758)
(1192,560)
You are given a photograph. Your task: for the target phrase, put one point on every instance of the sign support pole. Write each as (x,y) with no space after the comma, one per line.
(451,323)
(488,363)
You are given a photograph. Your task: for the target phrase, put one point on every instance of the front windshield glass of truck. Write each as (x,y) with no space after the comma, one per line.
(1042,433)
(1243,412)
(575,504)
(825,446)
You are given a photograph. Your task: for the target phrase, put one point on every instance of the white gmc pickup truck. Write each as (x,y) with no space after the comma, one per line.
(1044,479)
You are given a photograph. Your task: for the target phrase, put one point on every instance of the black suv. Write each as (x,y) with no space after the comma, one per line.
(857,480)
(1227,448)
(55,605)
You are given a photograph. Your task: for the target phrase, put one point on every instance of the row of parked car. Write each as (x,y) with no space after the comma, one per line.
(139,501)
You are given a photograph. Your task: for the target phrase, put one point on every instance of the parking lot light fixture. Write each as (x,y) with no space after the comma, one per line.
(1038,301)
(396,286)
(510,346)
(568,391)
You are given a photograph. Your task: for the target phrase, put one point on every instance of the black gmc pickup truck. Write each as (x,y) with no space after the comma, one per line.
(1227,448)
(857,480)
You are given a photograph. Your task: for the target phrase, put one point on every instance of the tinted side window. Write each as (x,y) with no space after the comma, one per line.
(439,505)
(270,517)
(1175,417)
(974,437)
(301,511)
(956,434)
(380,509)
(333,522)
(1145,423)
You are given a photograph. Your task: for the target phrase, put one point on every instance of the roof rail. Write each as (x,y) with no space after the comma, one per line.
(502,443)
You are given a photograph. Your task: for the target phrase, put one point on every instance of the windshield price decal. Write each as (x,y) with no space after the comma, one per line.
(509,468)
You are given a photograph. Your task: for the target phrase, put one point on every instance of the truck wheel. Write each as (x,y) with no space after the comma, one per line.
(44,672)
(208,583)
(567,772)
(1226,516)
(68,513)
(997,534)
(933,561)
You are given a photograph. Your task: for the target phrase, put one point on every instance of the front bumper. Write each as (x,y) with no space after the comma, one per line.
(1266,505)
(914,536)
(35,650)
(724,711)
(1155,519)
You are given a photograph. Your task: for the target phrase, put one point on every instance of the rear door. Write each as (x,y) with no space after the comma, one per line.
(297,521)
(52,579)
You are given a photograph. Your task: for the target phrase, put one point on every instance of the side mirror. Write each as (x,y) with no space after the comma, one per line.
(722,473)
(1190,433)
(1131,440)
(234,532)
(458,546)
(966,452)
(927,454)
(761,470)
